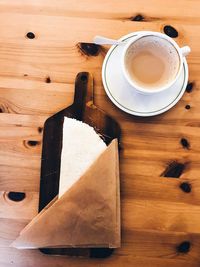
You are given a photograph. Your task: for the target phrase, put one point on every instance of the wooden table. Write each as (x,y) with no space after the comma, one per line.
(160,215)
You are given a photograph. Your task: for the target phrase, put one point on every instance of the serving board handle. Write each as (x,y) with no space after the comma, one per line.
(83,95)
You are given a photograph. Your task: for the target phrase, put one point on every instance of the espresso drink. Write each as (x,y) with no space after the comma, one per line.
(152,62)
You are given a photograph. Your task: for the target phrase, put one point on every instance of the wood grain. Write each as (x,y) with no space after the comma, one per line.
(104,9)
(25,209)
(165,243)
(163,214)
(37,80)
(22,259)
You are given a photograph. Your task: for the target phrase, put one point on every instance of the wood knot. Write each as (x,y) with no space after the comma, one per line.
(184,247)
(189,87)
(16,196)
(89,49)
(138,17)
(32,143)
(48,80)
(174,170)
(186,187)
(187,107)
(170,31)
(184,142)
(30,35)
(40,129)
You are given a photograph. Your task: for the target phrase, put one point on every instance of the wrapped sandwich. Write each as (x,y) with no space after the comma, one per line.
(86,212)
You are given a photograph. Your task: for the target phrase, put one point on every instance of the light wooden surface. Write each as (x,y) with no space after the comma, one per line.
(157,216)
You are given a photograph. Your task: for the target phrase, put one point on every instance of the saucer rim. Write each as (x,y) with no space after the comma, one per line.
(139,113)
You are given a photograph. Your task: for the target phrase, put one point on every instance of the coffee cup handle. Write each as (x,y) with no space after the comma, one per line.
(185,50)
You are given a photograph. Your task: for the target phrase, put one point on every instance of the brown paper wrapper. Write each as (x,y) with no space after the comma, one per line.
(87,215)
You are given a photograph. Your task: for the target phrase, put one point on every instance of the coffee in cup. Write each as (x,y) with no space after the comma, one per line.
(152,62)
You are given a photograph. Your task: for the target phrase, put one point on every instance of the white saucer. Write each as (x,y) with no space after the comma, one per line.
(126,98)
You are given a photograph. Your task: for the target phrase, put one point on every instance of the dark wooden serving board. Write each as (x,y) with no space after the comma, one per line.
(82,109)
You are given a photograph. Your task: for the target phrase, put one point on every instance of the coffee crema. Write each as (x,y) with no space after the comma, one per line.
(152,62)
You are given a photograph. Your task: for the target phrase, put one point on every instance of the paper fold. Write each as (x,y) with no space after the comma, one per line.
(87,215)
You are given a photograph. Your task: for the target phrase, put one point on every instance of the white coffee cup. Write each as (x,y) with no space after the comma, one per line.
(161,38)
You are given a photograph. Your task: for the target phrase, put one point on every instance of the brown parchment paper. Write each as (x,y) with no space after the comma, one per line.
(87,215)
